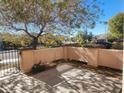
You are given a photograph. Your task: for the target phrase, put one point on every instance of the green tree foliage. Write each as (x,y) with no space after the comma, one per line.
(51,40)
(10,41)
(23,40)
(24,15)
(90,36)
(80,37)
(84,37)
(116,25)
(15,41)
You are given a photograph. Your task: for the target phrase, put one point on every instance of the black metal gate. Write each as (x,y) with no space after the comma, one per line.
(9,62)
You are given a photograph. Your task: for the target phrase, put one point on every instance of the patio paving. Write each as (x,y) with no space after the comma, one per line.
(65,78)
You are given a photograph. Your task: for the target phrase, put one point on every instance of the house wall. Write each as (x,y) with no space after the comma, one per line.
(93,56)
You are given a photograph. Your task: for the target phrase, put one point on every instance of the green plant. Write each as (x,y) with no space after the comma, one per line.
(93,46)
(38,68)
(117,45)
(83,37)
(116,25)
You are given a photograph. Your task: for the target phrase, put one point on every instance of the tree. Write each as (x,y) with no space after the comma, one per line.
(24,40)
(84,37)
(39,15)
(90,36)
(15,40)
(80,37)
(116,25)
(49,39)
(10,41)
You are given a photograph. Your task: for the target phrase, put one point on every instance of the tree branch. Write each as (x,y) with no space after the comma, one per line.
(41,30)
(26,31)
(17,29)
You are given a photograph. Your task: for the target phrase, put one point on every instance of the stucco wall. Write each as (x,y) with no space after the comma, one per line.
(27,60)
(48,54)
(31,57)
(123,80)
(89,55)
(93,56)
(111,58)
(97,57)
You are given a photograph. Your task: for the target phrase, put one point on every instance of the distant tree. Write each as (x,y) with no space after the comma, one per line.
(73,39)
(49,39)
(22,40)
(10,41)
(15,41)
(116,25)
(84,37)
(90,36)
(80,37)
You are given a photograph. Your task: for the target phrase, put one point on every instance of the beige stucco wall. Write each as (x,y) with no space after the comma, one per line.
(93,56)
(123,76)
(111,58)
(65,52)
(48,54)
(89,55)
(27,60)
(31,57)
(97,57)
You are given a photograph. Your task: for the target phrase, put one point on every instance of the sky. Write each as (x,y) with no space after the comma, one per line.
(111,8)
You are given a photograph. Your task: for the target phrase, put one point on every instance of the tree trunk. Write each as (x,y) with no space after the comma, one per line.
(35,42)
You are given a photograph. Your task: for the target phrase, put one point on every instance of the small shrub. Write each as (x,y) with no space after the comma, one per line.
(117,45)
(38,68)
(73,45)
(93,46)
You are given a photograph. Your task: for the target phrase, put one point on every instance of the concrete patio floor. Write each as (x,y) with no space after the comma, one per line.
(65,78)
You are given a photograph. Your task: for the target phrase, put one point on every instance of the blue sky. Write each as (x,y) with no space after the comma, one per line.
(111,8)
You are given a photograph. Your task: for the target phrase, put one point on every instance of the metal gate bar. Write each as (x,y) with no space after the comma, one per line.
(9,62)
